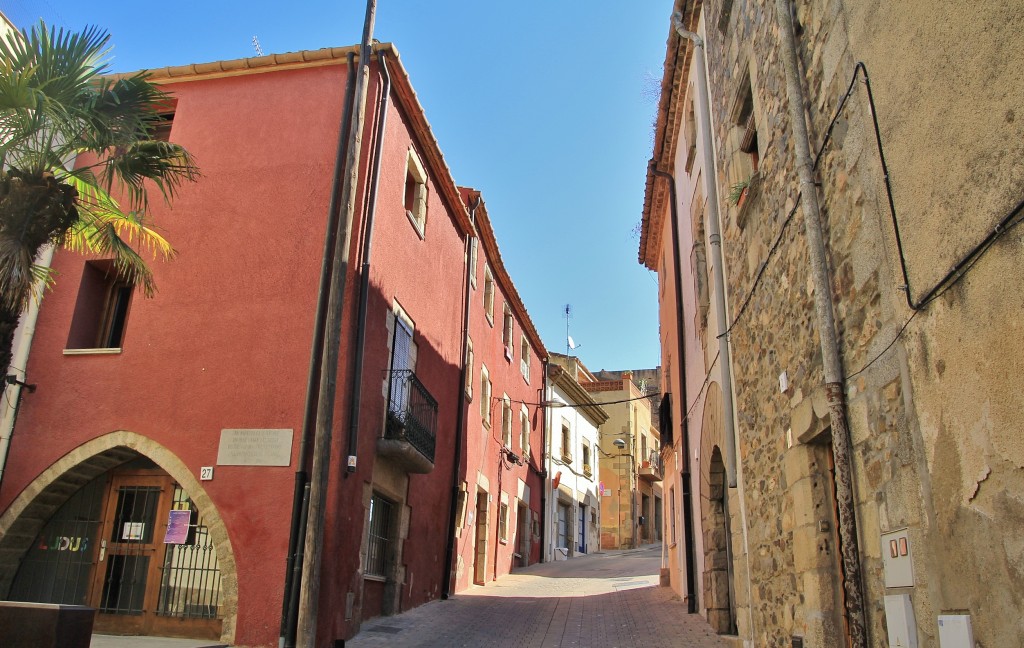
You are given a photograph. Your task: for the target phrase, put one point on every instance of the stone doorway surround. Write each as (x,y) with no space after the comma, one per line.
(29,512)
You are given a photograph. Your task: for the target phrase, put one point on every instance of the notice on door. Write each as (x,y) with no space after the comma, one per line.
(255,448)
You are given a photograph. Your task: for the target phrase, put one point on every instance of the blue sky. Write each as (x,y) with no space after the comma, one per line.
(545,107)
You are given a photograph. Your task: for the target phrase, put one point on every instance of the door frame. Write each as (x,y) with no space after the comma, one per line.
(106,548)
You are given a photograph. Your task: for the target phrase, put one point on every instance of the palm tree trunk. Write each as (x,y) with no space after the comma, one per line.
(8,324)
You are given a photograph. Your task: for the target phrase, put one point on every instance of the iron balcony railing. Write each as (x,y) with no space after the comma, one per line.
(653,462)
(412,413)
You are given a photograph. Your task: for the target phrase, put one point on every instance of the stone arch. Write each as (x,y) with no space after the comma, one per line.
(717,535)
(36,504)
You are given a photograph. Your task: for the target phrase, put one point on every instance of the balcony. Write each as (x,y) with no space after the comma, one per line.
(587,470)
(410,433)
(650,470)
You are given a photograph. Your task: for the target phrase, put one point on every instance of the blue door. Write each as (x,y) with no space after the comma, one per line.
(583,528)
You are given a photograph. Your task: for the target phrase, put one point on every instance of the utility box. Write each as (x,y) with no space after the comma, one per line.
(900,623)
(955,631)
(897,559)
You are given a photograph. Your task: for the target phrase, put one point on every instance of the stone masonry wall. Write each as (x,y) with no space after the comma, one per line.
(783,444)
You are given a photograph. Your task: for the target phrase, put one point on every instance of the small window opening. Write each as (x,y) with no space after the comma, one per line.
(101,311)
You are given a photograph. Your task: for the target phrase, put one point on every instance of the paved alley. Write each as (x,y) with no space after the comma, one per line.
(599,601)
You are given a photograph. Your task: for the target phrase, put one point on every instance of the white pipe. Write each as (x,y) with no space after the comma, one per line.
(19,359)
(715,239)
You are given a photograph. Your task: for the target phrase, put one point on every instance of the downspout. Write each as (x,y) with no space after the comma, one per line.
(300,496)
(545,464)
(309,595)
(826,325)
(715,239)
(687,495)
(460,414)
(364,285)
(14,380)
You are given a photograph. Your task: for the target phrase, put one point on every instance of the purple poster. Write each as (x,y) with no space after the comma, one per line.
(177,527)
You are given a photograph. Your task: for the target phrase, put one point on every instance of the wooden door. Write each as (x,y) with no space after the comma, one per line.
(130,552)
(480,554)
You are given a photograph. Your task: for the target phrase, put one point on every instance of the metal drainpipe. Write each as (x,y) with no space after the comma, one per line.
(545,464)
(364,284)
(300,497)
(460,415)
(715,239)
(687,494)
(826,325)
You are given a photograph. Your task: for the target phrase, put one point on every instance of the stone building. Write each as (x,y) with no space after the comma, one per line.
(916,153)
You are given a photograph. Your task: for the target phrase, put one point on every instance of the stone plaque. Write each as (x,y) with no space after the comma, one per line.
(255,448)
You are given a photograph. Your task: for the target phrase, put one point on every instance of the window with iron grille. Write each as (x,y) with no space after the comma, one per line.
(190,585)
(380,537)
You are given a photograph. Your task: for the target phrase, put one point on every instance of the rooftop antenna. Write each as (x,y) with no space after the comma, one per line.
(570,344)
(256,45)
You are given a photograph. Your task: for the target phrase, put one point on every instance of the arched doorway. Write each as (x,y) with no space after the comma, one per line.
(109,527)
(717,591)
(717,540)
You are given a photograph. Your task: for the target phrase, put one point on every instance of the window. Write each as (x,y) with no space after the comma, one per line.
(503,522)
(101,311)
(489,295)
(472,261)
(587,468)
(524,431)
(745,120)
(524,359)
(160,126)
(380,537)
(506,333)
(415,197)
(506,421)
(469,367)
(485,396)
(566,443)
(402,364)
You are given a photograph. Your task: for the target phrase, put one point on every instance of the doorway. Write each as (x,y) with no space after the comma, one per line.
(480,552)
(562,539)
(583,529)
(523,534)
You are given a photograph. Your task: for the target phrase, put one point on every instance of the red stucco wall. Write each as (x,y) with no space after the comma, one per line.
(226,342)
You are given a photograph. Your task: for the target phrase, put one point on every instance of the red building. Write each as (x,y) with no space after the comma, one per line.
(497,525)
(152,472)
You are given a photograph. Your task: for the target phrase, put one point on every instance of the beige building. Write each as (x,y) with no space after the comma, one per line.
(630,465)
(857,482)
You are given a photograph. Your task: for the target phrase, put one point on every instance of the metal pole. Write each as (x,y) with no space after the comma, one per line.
(825,316)
(309,597)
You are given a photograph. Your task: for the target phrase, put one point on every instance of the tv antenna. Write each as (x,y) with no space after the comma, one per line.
(256,45)
(570,344)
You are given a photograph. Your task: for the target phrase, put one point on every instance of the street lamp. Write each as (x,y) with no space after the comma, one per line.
(621,445)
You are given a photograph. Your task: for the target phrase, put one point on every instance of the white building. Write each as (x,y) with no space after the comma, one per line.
(573,506)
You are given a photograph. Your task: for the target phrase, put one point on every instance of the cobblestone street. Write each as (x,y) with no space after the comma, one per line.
(603,600)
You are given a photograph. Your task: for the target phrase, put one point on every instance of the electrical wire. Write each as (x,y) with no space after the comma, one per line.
(952,278)
(887,347)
